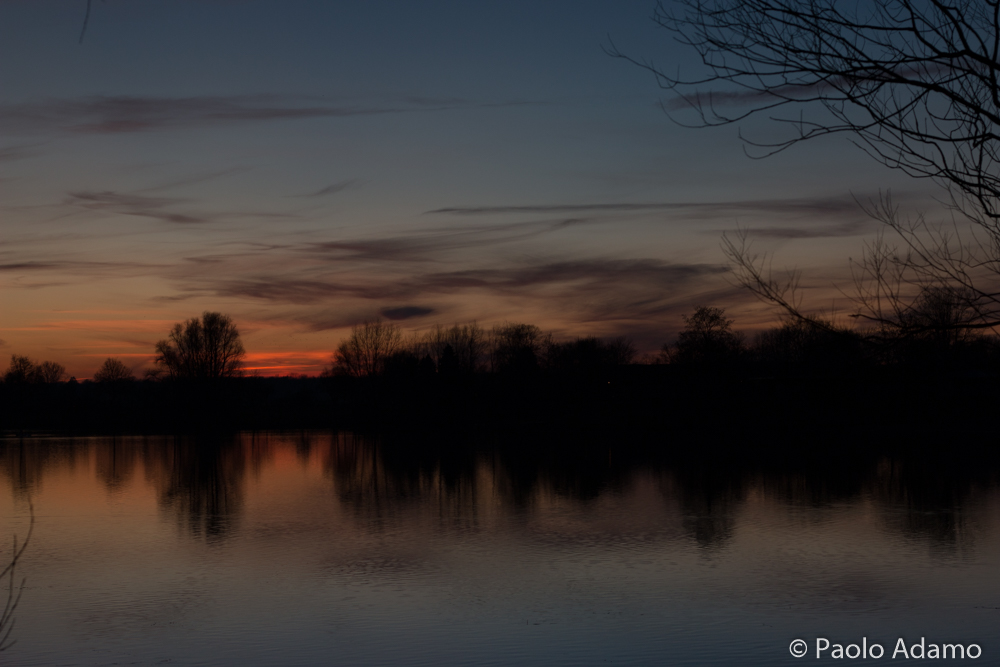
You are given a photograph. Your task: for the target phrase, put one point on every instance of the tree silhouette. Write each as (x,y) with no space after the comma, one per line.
(86,20)
(23,370)
(113,370)
(49,371)
(707,338)
(590,354)
(515,347)
(209,348)
(13,590)
(20,371)
(366,351)
(459,349)
(810,349)
(915,84)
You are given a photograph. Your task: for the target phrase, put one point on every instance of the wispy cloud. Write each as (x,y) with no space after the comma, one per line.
(163,209)
(430,243)
(37,274)
(850,228)
(108,114)
(137,205)
(27,266)
(798,206)
(716,99)
(18,152)
(405,312)
(298,291)
(580,275)
(103,326)
(332,189)
(72,266)
(400,249)
(196,179)
(338,318)
(595,273)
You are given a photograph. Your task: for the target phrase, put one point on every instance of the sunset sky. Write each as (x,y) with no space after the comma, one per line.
(304,166)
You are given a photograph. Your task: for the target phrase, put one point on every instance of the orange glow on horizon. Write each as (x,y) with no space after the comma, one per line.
(277,363)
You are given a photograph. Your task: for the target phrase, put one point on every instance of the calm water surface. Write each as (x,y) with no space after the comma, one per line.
(329,549)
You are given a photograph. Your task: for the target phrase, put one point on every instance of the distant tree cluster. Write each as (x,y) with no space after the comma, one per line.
(516,373)
(367,351)
(818,346)
(209,348)
(202,348)
(378,348)
(585,354)
(23,370)
(460,349)
(707,337)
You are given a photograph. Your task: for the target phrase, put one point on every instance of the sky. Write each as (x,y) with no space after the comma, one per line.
(305,166)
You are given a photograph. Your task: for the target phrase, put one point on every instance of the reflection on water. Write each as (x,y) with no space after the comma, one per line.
(316,548)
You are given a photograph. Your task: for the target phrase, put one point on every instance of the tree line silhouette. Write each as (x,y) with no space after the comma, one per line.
(466,373)
(377,348)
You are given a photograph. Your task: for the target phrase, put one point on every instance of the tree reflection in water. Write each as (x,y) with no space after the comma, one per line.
(456,481)
(116,461)
(201,480)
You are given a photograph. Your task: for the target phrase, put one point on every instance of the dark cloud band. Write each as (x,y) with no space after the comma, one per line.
(405,312)
(110,114)
(825,205)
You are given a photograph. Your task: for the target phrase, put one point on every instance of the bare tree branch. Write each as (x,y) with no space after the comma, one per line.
(913,83)
(86,20)
(13,590)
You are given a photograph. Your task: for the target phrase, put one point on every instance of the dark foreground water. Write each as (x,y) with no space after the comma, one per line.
(319,549)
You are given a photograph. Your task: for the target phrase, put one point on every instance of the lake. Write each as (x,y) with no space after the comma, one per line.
(338,549)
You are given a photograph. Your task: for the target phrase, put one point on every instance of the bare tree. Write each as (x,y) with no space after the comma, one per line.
(86,20)
(23,370)
(113,370)
(913,83)
(208,348)
(589,353)
(14,589)
(366,350)
(708,337)
(49,372)
(460,348)
(515,347)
